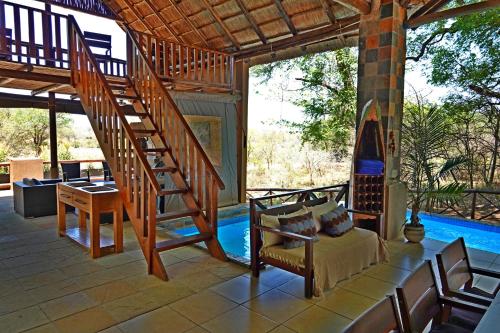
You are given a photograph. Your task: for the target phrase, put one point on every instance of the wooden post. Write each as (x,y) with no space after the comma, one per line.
(241,85)
(54,170)
(473,208)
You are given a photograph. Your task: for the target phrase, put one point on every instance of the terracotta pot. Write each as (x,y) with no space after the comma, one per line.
(414,234)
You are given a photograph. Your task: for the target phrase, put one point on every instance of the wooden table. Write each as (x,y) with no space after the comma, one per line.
(491,319)
(92,199)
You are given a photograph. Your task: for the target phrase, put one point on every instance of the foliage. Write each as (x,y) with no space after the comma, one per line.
(326,93)
(425,140)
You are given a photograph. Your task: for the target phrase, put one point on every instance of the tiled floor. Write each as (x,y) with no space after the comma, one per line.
(49,284)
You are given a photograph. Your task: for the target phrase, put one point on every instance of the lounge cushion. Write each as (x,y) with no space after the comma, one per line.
(302,225)
(271,221)
(319,210)
(337,222)
(36,181)
(334,258)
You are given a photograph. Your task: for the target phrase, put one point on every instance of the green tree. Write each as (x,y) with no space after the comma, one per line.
(327,96)
(26,131)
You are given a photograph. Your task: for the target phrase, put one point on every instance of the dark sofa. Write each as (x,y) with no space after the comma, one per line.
(36,200)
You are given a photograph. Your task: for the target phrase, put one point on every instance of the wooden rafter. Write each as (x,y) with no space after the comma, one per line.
(47,88)
(343,26)
(453,12)
(328,11)
(203,38)
(250,19)
(216,17)
(285,17)
(361,6)
(138,16)
(430,7)
(6,80)
(162,20)
(27,75)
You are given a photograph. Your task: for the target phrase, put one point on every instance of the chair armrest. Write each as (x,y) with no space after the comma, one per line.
(461,304)
(470,297)
(363,212)
(284,233)
(485,272)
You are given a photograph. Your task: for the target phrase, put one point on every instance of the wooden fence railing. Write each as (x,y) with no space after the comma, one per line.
(187,64)
(37,37)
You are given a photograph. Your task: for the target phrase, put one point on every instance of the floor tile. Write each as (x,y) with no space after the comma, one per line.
(22,320)
(317,320)
(277,305)
(47,328)
(295,287)
(67,305)
(110,291)
(16,301)
(281,329)
(273,277)
(90,320)
(240,320)
(130,306)
(240,289)
(157,321)
(388,273)
(346,303)
(168,292)
(203,306)
(482,255)
(370,287)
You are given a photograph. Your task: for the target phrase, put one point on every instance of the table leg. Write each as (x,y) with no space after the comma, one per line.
(82,219)
(118,228)
(61,218)
(95,237)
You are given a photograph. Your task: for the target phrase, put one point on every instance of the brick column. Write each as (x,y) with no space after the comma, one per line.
(381,67)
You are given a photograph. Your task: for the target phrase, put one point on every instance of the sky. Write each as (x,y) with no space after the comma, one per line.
(263,109)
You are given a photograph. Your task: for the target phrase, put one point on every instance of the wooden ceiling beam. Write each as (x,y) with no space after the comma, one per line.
(430,7)
(27,75)
(202,37)
(328,11)
(250,19)
(343,26)
(138,16)
(5,80)
(48,88)
(361,6)
(162,20)
(228,33)
(285,17)
(450,13)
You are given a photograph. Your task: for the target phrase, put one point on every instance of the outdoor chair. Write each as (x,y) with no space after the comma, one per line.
(457,277)
(420,303)
(72,173)
(381,318)
(107,171)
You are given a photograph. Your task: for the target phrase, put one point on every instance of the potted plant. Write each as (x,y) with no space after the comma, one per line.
(426,166)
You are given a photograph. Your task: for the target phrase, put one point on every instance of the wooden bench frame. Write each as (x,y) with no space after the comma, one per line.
(306,198)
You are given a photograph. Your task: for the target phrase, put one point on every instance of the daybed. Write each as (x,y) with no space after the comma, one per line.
(322,263)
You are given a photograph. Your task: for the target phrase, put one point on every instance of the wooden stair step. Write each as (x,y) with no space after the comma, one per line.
(172,191)
(177,214)
(165,169)
(130,97)
(144,132)
(183,241)
(155,150)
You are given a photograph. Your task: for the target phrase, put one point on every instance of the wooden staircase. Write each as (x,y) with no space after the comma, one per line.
(160,124)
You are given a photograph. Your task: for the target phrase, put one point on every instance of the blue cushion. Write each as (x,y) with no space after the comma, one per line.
(336,222)
(302,225)
(36,181)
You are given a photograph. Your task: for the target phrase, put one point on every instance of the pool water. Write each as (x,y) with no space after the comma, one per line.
(234,233)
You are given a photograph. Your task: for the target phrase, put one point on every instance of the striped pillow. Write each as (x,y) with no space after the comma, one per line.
(336,222)
(302,225)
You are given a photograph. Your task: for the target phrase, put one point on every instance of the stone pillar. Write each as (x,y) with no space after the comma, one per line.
(381,69)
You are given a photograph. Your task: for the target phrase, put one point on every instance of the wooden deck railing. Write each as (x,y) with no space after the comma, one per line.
(190,157)
(38,37)
(133,175)
(180,63)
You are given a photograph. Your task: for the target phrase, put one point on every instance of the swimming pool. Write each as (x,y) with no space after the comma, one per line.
(234,233)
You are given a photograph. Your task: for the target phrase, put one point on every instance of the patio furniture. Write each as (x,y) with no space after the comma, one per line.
(489,322)
(72,172)
(325,262)
(107,172)
(92,200)
(36,200)
(457,277)
(420,303)
(381,318)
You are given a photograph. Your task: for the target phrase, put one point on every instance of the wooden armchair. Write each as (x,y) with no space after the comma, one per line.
(420,302)
(457,276)
(383,317)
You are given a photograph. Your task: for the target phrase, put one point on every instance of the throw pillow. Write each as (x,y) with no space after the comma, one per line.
(36,181)
(302,225)
(271,221)
(336,222)
(319,210)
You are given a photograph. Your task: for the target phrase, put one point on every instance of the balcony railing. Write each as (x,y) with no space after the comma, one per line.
(37,37)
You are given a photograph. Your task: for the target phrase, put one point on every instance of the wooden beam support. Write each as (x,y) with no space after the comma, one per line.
(228,33)
(6,80)
(26,75)
(203,38)
(285,17)
(343,26)
(430,7)
(139,16)
(328,11)
(162,20)
(54,170)
(361,6)
(450,13)
(250,19)
(45,89)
